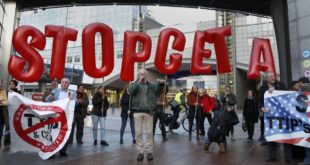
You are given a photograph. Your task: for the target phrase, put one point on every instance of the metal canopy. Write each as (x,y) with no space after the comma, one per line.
(258,7)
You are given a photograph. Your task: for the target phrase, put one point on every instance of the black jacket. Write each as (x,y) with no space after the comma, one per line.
(260,95)
(250,111)
(100,105)
(81,108)
(125,103)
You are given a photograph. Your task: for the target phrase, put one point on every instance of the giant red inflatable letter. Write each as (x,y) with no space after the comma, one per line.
(130,55)
(61,37)
(162,46)
(261,46)
(199,53)
(88,41)
(217,36)
(16,65)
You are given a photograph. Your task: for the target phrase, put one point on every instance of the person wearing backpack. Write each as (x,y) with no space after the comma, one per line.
(217,130)
(208,104)
(179,101)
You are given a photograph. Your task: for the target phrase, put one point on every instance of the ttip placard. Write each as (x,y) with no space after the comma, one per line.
(39,127)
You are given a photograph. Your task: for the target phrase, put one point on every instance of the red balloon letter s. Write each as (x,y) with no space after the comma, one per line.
(175,58)
(261,46)
(30,56)
(61,37)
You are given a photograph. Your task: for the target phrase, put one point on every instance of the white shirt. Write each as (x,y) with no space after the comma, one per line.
(63,95)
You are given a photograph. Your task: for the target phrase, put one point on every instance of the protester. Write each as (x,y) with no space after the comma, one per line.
(295,86)
(3,107)
(208,105)
(193,101)
(48,91)
(99,113)
(58,94)
(176,106)
(80,112)
(161,103)
(144,97)
(305,87)
(218,128)
(270,85)
(229,101)
(250,113)
(125,114)
(13,86)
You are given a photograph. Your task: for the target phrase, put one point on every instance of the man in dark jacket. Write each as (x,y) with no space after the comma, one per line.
(270,85)
(80,112)
(144,97)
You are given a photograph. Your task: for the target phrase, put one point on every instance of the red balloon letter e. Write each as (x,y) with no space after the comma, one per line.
(29,55)
(130,54)
(199,53)
(261,46)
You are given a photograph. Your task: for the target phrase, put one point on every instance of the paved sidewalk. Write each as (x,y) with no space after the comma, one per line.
(178,150)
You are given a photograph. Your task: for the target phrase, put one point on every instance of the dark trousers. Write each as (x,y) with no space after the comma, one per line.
(132,127)
(250,127)
(202,121)
(175,117)
(230,129)
(7,137)
(272,150)
(78,122)
(192,111)
(262,127)
(1,132)
(159,115)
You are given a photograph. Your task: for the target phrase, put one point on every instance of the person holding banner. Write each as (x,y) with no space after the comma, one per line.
(208,105)
(193,101)
(99,113)
(58,94)
(162,103)
(144,97)
(3,107)
(305,87)
(80,112)
(270,85)
(125,114)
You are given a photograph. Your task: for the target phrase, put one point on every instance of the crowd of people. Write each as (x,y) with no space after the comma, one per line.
(144,103)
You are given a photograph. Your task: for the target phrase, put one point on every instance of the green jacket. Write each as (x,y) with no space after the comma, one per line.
(152,94)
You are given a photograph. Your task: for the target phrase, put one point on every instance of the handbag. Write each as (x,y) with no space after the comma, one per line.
(174,104)
(233,117)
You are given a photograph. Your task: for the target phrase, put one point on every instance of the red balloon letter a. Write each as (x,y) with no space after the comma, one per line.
(261,45)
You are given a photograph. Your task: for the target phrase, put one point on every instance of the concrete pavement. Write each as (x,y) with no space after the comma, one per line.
(178,150)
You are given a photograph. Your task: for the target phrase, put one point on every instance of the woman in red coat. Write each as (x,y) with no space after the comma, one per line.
(208,104)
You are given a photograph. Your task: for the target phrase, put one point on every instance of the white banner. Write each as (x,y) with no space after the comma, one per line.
(38,126)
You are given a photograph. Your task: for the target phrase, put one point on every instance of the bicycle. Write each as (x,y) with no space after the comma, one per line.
(184,120)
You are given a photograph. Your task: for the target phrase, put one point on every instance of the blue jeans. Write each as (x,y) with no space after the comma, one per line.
(101,121)
(132,127)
